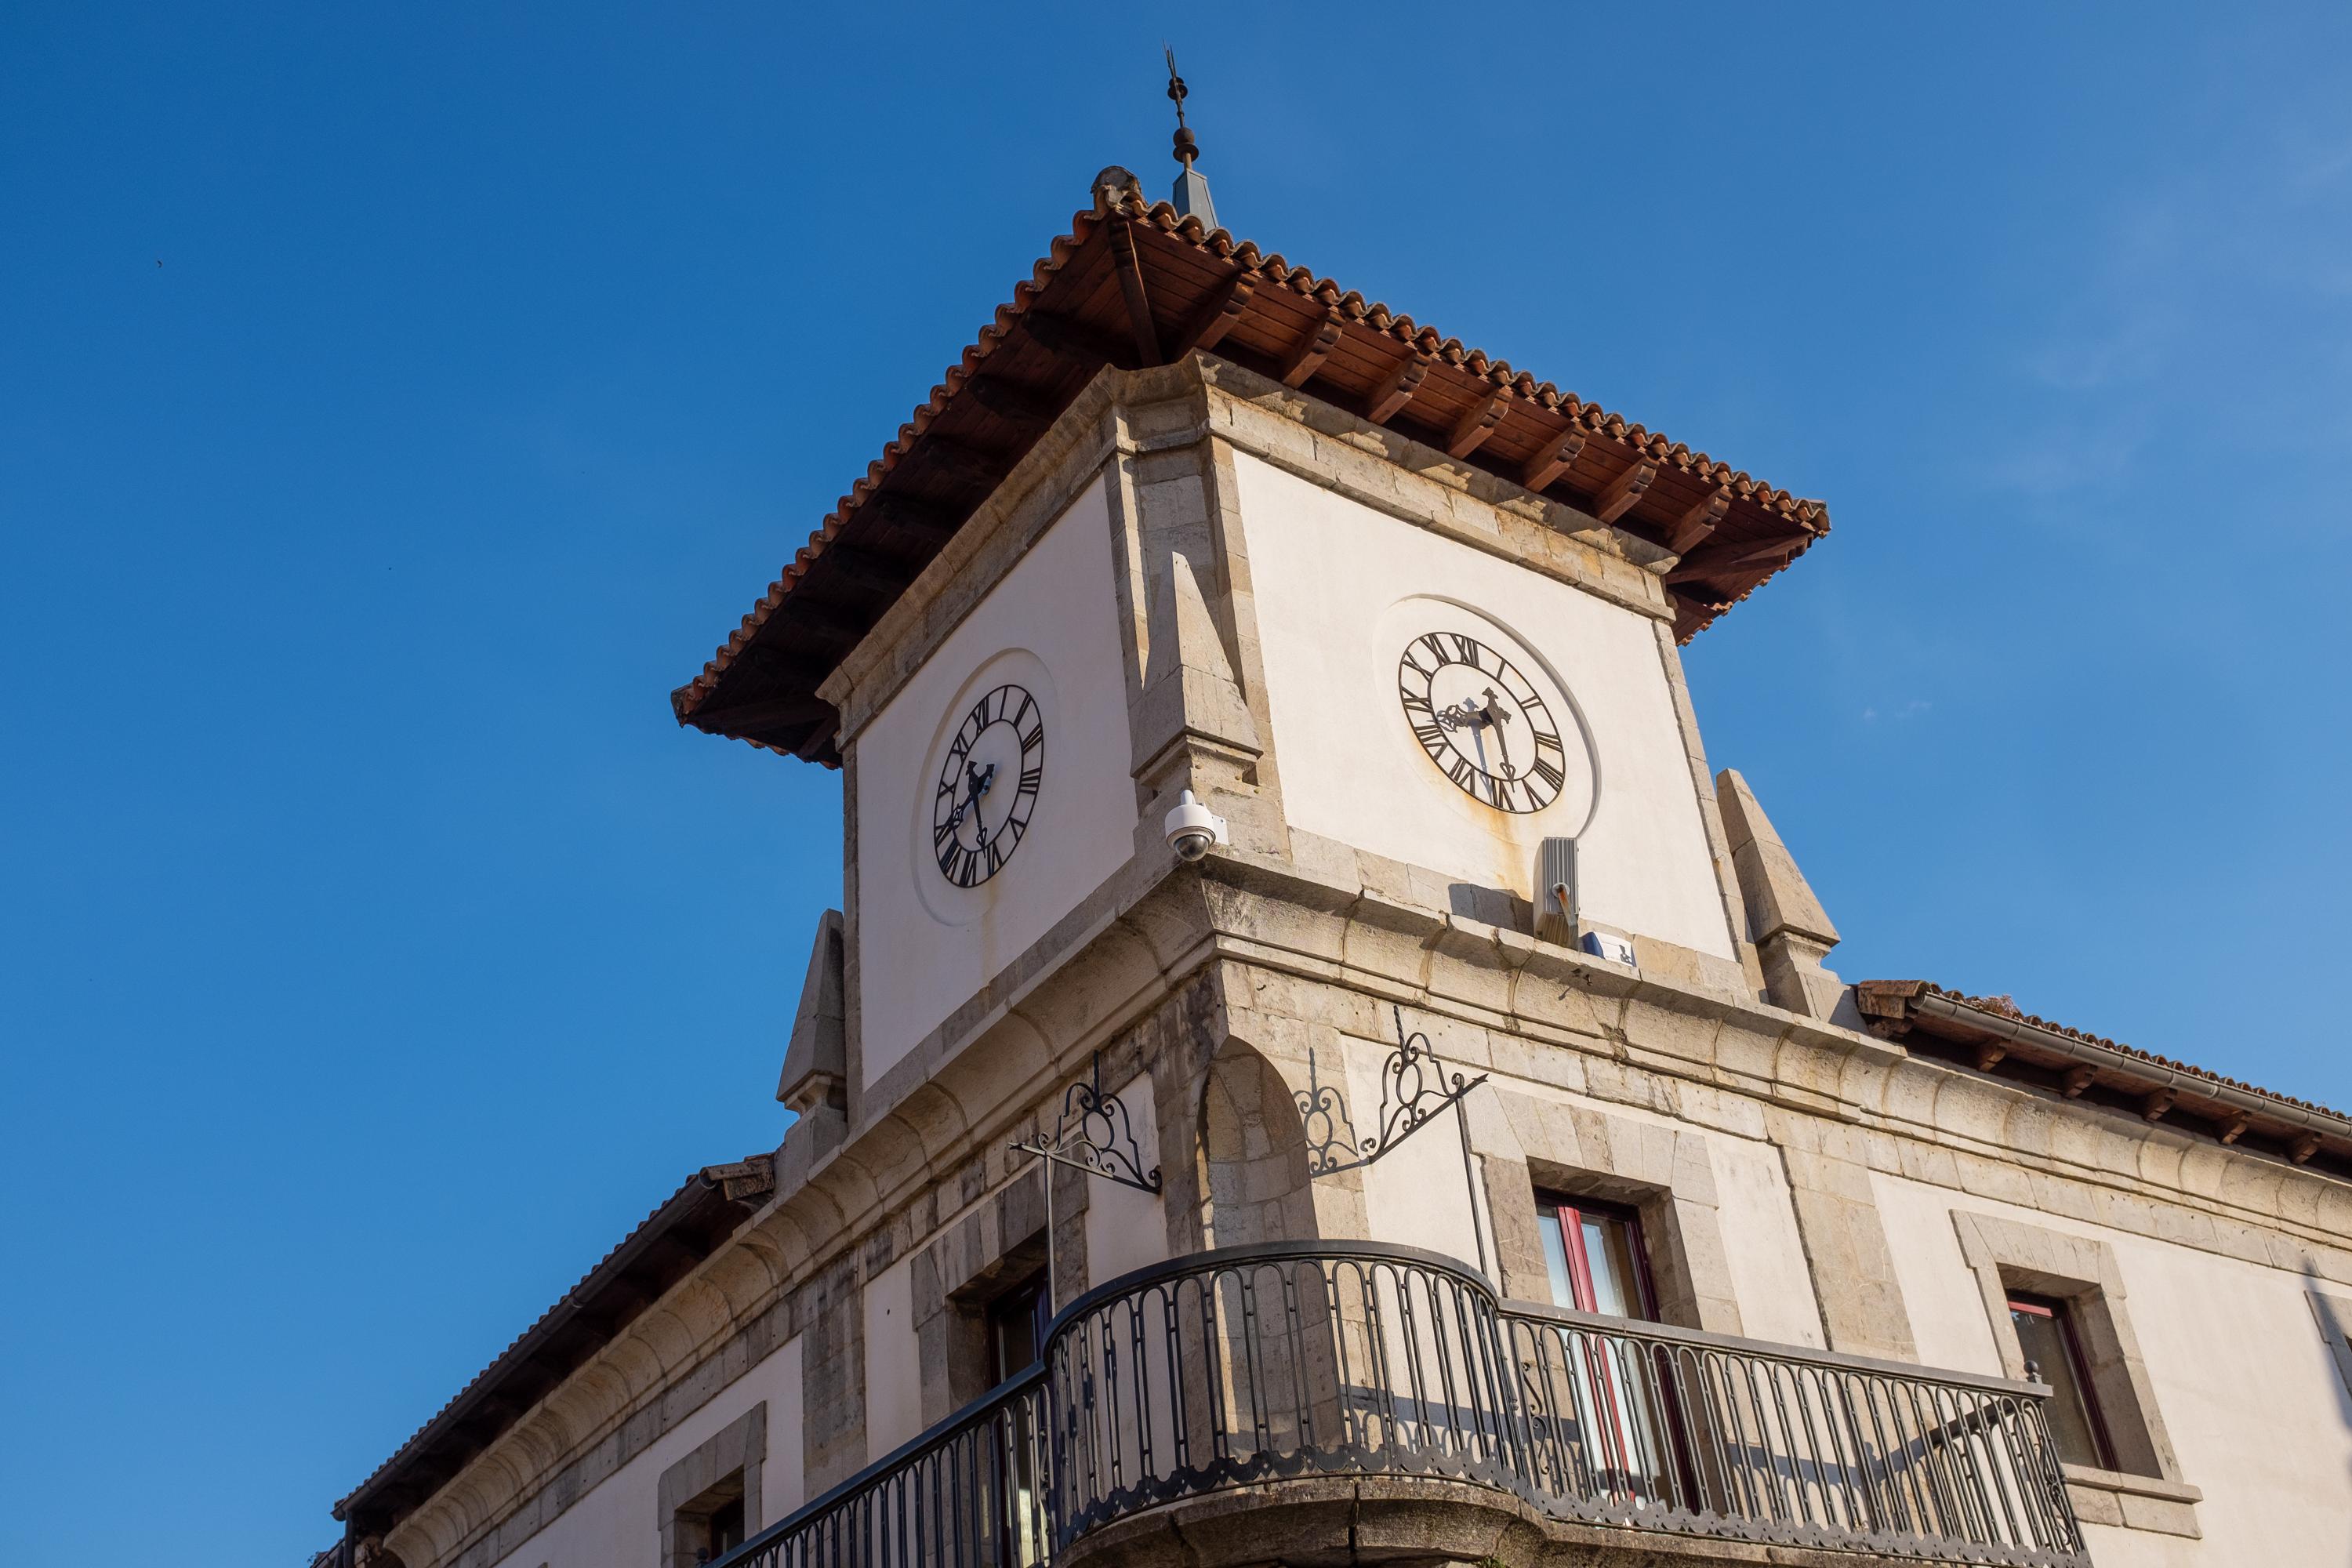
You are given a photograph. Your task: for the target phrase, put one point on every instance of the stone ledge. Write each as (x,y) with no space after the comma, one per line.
(2133,1502)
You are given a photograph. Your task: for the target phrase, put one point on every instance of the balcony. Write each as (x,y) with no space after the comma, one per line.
(1241,1383)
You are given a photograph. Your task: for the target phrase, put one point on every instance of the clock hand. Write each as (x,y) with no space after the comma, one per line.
(1497,718)
(977,784)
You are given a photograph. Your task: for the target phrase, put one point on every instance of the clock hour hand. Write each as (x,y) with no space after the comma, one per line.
(976,785)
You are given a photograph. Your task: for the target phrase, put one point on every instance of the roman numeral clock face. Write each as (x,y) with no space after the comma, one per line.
(988,785)
(1484,721)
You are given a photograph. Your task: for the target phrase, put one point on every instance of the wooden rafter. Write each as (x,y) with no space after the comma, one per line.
(1470,431)
(1010,400)
(1308,354)
(1131,284)
(818,738)
(933,525)
(968,463)
(1391,396)
(1715,562)
(1074,339)
(827,623)
(1623,490)
(1219,312)
(865,569)
(1552,458)
(1695,525)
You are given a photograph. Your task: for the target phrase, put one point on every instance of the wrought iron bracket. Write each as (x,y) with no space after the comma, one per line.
(1415,1087)
(1094,1135)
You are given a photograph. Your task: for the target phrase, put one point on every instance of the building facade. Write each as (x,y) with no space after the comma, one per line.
(1313,1064)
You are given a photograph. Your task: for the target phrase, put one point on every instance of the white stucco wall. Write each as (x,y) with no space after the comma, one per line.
(1419,1195)
(1127,1229)
(894,1361)
(2232,1351)
(616,1524)
(1341,588)
(1051,627)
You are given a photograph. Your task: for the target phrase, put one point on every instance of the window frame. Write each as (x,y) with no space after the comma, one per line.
(1566,1211)
(2062,1315)
(994,1317)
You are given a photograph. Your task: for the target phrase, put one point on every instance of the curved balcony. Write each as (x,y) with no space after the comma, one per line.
(1290,1362)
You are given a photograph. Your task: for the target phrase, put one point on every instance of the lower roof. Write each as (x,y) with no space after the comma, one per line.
(1993,1036)
(686,1228)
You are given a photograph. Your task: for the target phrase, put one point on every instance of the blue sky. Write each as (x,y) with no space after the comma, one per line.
(373,949)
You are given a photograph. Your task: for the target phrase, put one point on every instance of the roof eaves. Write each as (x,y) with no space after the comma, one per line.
(710,1185)
(1897,1006)
(1273,270)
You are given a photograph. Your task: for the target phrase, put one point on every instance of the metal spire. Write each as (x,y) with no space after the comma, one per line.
(1191,194)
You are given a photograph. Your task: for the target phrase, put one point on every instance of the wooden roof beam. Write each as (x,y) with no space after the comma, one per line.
(1715,562)
(1307,356)
(934,525)
(1131,284)
(826,623)
(771,664)
(1219,313)
(968,463)
(1695,524)
(1552,458)
(1074,339)
(813,744)
(1389,399)
(1009,400)
(1470,431)
(865,569)
(779,713)
(1623,490)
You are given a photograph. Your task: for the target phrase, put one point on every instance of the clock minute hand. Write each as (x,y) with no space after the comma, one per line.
(1496,718)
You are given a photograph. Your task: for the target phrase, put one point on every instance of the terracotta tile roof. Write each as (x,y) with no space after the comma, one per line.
(1206,290)
(679,1232)
(2007,1007)
(2230,1104)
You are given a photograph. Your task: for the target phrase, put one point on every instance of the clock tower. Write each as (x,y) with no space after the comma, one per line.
(1188,518)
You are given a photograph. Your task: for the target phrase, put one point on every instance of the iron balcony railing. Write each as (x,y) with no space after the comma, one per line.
(1256,1363)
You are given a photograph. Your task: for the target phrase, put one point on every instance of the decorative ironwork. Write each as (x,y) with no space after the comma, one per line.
(1415,1087)
(1094,1135)
(1270,1362)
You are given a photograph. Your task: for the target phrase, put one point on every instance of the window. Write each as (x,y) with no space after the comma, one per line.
(726,1528)
(1614,1397)
(1596,1257)
(710,1501)
(1017,1339)
(1016,1328)
(2047,1333)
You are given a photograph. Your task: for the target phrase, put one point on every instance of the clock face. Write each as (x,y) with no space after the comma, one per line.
(1483,722)
(988,785)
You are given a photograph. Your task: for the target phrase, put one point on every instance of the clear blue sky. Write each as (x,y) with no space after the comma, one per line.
(373,949)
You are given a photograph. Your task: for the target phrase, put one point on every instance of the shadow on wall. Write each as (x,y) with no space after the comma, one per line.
(2334,1313)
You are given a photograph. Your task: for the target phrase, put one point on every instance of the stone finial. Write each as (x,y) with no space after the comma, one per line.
(1791,930)
(816,1060)
(1111,186)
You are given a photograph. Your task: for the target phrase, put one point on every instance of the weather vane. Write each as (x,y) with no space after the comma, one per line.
(1187,149)
(1192,196)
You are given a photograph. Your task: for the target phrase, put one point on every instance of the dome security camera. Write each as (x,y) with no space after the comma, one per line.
(1193,829)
